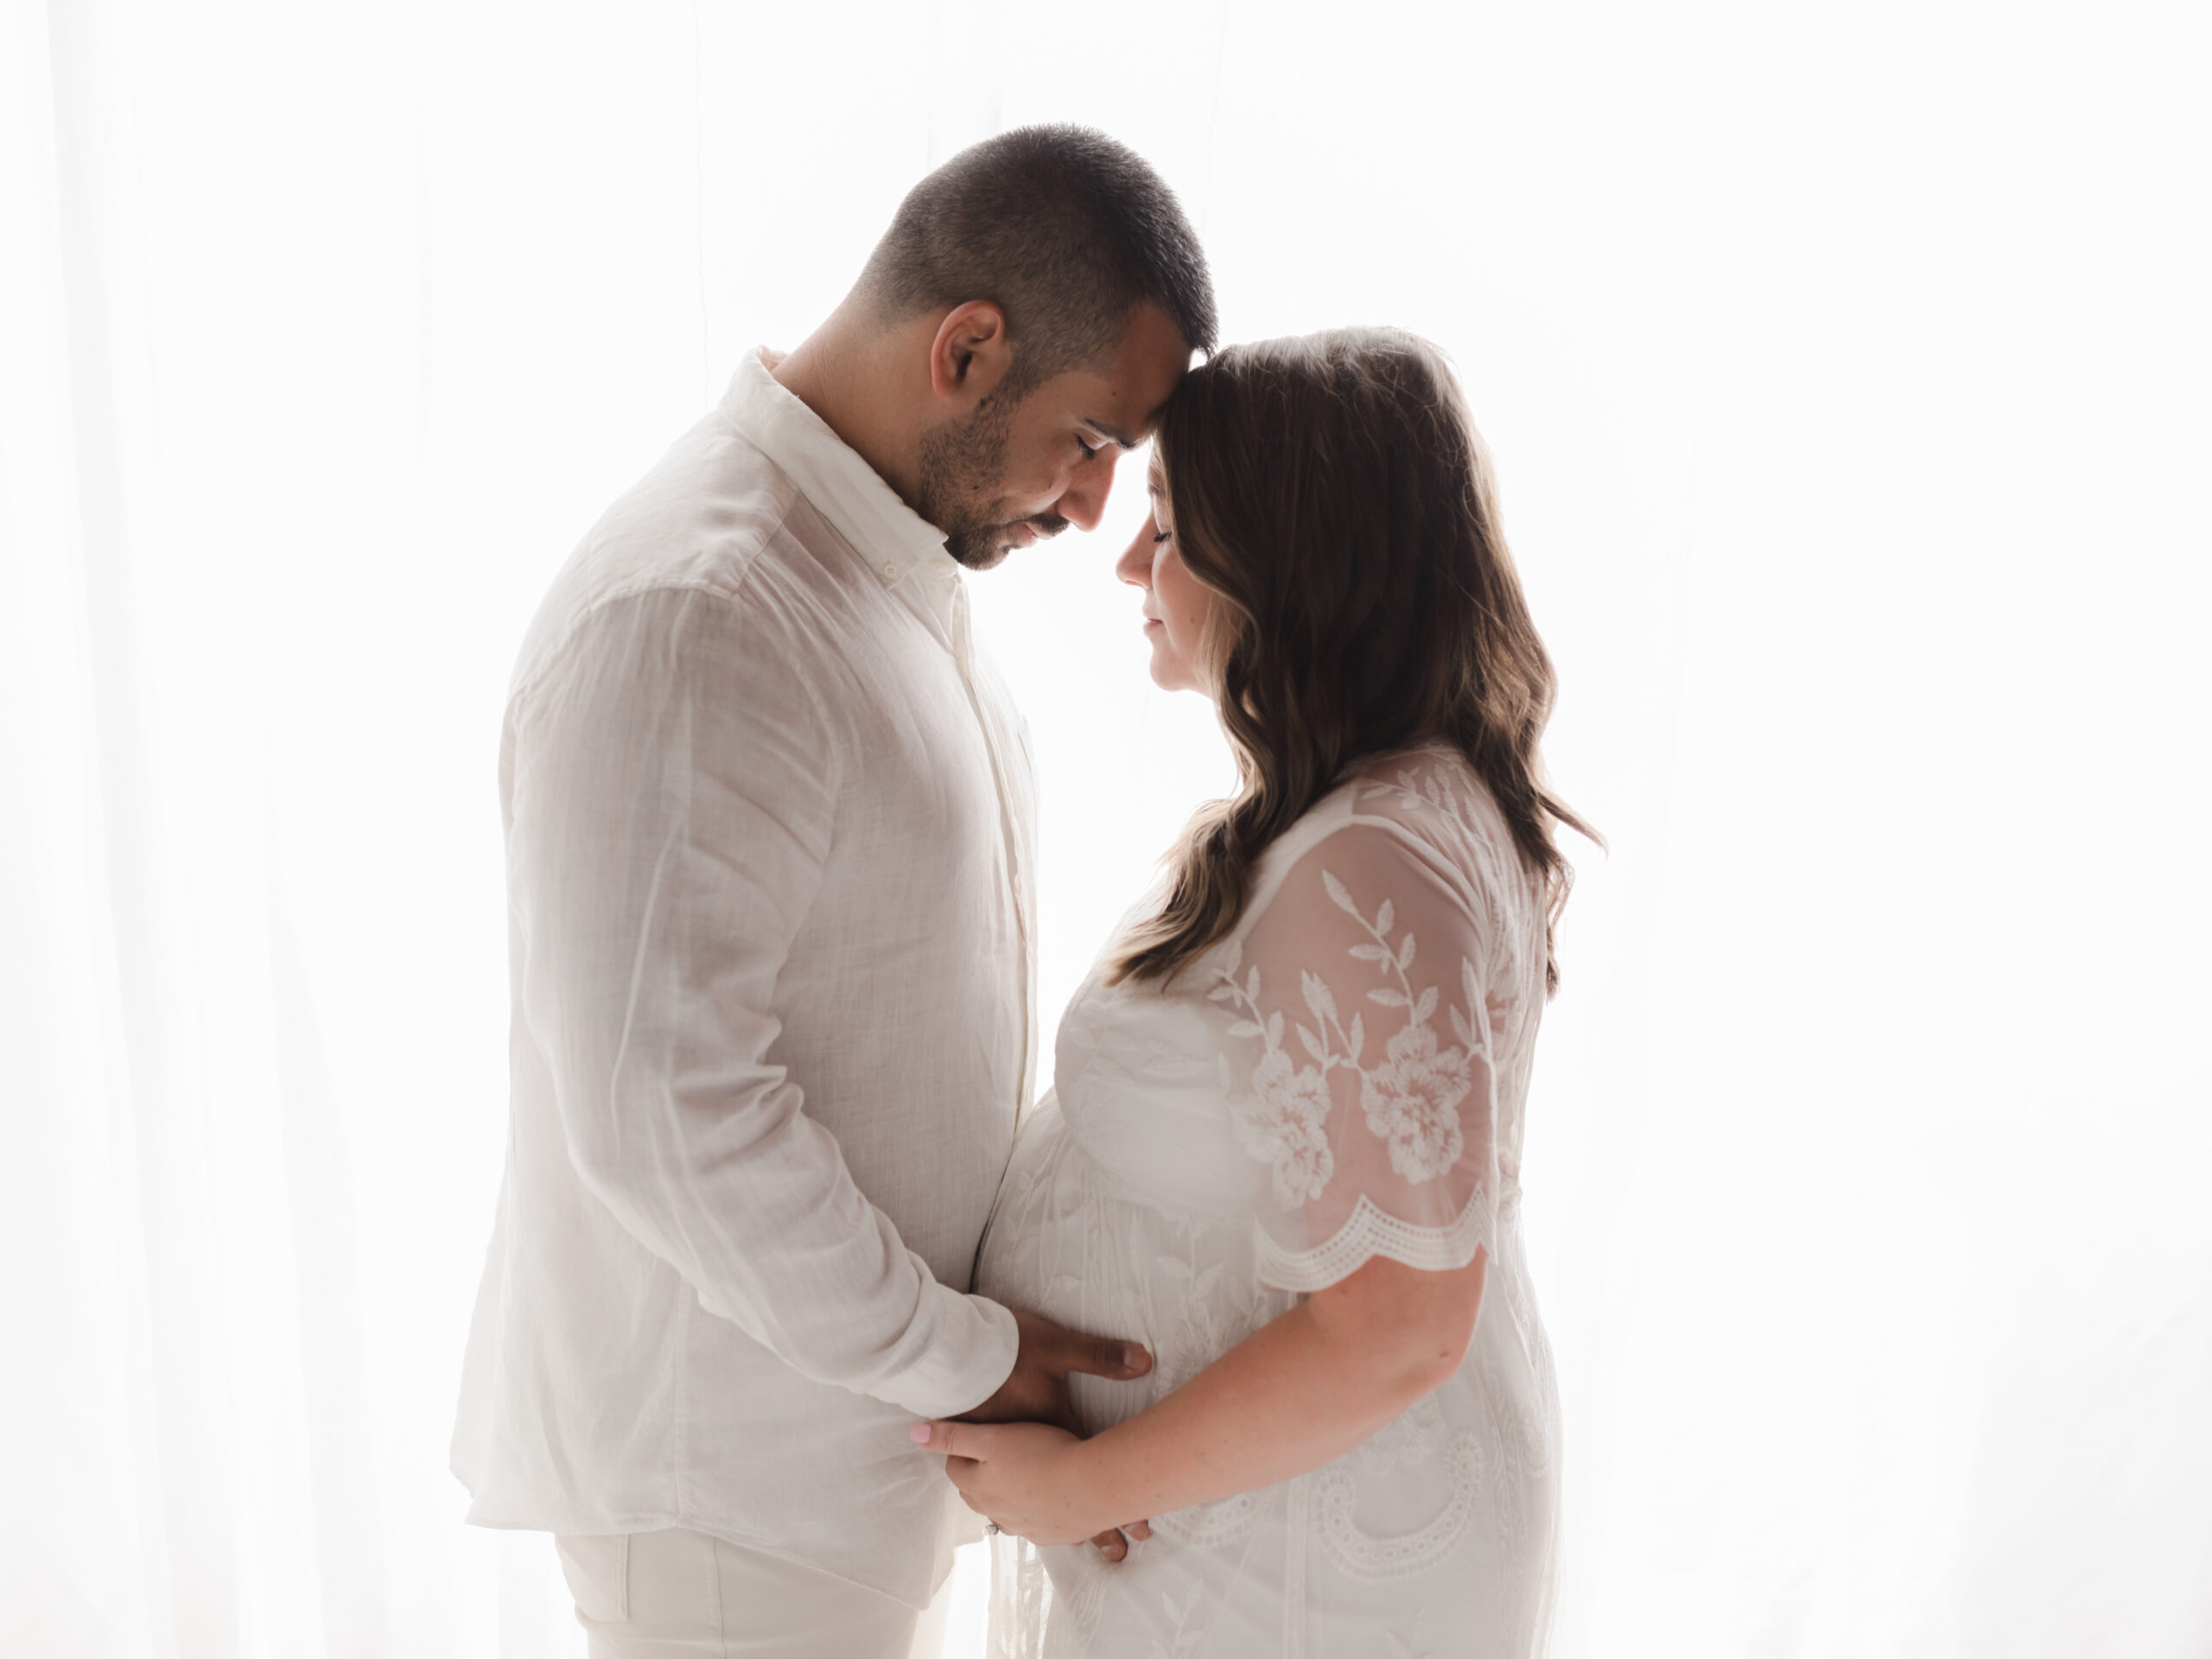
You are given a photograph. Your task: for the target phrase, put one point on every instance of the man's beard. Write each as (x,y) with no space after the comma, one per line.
(961,465)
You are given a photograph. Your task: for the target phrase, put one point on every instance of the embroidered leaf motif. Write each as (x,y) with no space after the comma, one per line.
(1406,953)
(1384,917)
(1318,997)
(1339,898)
(1371,952)
(1426,1006)
(1356,1039)
(1313,1046)
(1252,1028)
(1388,998)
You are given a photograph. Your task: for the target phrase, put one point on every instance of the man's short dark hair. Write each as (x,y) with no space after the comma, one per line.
(1064,230)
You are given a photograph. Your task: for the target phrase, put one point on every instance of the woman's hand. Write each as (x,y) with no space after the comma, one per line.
(1027,1478)
(1305,1388)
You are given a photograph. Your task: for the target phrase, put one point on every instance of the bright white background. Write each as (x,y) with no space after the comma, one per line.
(1846,370)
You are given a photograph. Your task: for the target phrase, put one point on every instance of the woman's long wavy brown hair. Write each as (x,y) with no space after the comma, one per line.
(1333,489)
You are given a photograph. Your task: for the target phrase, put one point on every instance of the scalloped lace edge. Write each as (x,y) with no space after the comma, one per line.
(1370,1231)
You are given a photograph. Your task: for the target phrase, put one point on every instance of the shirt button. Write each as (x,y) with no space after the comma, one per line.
(890,571)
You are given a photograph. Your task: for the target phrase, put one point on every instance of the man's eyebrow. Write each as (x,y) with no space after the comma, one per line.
(1119,436)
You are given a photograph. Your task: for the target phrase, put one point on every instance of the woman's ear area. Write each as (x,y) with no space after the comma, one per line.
(970,353)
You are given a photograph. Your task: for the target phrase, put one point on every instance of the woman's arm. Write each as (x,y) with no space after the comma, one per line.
(1302,1391)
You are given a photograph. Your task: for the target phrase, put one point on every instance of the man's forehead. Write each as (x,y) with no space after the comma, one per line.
(1109,412)
(1106,411)
(1128,397)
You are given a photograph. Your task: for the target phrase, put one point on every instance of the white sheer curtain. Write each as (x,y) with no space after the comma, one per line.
(1844,373)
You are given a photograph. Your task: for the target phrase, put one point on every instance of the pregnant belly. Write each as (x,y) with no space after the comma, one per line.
(1069,1241)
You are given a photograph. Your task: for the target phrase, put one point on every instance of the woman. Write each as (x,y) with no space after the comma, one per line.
(1283,1147)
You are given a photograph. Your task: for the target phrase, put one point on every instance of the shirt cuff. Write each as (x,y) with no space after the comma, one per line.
(971,1354)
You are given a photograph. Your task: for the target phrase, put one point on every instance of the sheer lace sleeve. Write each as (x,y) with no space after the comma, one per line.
(1359,1062)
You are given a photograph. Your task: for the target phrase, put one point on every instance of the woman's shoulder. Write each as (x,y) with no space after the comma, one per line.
(1428,805)
(1431,796)
(1433,790)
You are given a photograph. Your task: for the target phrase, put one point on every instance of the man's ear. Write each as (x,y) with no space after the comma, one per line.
(970,355)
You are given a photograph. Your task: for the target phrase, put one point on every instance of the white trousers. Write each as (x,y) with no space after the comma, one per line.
(676,1594)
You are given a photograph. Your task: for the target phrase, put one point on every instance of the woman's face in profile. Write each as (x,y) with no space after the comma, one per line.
(1178,608)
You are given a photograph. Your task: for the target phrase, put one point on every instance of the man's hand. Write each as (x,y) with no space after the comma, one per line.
(1037,1390)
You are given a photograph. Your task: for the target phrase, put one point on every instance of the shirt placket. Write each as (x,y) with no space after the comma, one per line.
(964,657)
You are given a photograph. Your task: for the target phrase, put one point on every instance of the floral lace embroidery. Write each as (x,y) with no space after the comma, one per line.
(1182,1640)
(1365,1556)
(1429,790)
(1524,1458)
(1414,789)
(1200,1330)
(1413,1436)
(1219,1523)
(1410,1097)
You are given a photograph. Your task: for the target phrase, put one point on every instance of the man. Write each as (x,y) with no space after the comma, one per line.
(769,839)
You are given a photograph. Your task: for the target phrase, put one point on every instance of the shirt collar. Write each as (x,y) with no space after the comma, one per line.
(893,540)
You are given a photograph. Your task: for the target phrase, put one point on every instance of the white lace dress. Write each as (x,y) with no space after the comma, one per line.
(1343,1077)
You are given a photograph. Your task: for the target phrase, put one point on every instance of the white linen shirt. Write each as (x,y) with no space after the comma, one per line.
(768,824)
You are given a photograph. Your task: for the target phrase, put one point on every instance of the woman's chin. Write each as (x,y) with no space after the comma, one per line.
(1166,673)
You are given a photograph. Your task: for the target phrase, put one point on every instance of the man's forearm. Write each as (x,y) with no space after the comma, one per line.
(782,1244)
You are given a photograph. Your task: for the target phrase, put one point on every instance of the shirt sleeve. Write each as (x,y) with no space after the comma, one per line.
(1359,1063)
(672,798)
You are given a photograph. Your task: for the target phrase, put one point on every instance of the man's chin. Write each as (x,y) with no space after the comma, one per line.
(979,552)
(983,548)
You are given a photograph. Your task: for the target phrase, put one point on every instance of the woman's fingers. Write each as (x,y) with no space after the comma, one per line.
(1139,1530)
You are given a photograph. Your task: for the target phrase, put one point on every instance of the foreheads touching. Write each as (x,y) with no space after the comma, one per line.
(1067,293)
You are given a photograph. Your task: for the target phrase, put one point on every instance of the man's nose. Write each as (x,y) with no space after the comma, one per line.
(1084,503)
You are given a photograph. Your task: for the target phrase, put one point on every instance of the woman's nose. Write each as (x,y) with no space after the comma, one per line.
(1134,566)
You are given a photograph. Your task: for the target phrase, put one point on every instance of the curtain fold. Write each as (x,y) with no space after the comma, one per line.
(171,1455)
